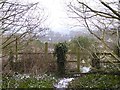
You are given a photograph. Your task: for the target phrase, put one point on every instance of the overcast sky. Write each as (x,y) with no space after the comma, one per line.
(57,17)
(56,11)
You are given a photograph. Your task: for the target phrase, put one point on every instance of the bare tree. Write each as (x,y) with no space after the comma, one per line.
(21,21)
(104,17)
(19,25)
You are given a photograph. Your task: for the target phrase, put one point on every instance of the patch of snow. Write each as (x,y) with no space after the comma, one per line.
(85,69)
(63,83)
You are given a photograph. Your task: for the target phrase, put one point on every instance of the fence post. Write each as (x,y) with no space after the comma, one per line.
(16,43)
(46,50)
(78,59)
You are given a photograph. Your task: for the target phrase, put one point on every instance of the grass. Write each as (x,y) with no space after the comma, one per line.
(96,81)
(27,81)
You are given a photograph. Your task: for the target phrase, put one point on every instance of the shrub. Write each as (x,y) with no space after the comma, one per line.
(27,81)
(96,81)
(60,52)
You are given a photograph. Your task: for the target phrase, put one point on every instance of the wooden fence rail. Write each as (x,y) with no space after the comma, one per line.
(95,60)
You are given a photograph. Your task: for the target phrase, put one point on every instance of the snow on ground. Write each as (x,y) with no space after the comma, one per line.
(85,69)
(63,83)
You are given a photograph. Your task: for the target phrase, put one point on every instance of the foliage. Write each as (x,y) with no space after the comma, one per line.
(60,52)
(96,81)
(27,81)
(84,46)
(83,42)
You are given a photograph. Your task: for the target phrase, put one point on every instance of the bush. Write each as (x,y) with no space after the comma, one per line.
(60,52)
(83,42)
(27,81)
(96,81)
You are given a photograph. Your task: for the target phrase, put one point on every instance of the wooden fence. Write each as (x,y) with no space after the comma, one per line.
(49,61)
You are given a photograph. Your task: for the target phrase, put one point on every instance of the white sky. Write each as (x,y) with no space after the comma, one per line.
(57,13)
(57,16)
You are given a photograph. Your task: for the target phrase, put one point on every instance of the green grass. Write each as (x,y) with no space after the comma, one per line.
(96,81)
(26,81)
